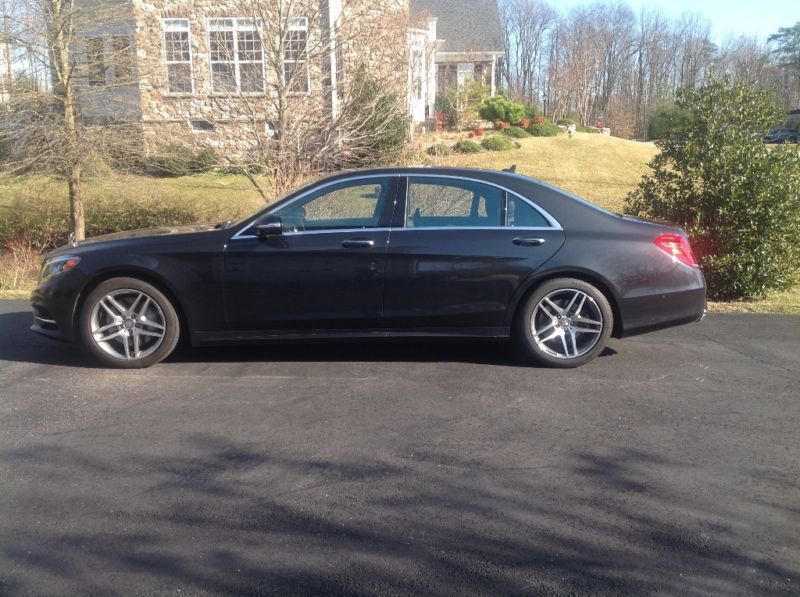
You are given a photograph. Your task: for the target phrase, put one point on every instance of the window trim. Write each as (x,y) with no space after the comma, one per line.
(252,25)
(401,197)
(164,31)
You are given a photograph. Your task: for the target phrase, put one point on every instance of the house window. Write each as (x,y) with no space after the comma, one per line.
(122,59)
(295,56)
(481,74)
(178,56)
(418,73)
(237,56)
(202,126)
(95,62)
(448,76)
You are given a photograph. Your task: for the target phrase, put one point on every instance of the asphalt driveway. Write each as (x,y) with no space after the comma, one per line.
(670,465)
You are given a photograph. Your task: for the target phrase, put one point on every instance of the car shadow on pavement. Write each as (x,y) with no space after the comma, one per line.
(220,516)
(19,344)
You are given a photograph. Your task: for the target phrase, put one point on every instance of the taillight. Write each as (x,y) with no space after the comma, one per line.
(676,246)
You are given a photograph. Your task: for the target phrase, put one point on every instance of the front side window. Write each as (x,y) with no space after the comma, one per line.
(178,56)
(295,56)
(452,203)
(236,55)
(348,205)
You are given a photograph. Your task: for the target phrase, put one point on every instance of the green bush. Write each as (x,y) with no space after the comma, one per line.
(516,132)
(735,197)
(532,111)
(381,122)
(440,149)
(459,104)
(544,129)
(43,224)
(205,160)
(175,159)
(467,146)
(667,120)
(498,143)
(499,108)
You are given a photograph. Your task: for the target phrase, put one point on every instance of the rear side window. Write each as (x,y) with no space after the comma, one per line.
(522,215)
(451,203)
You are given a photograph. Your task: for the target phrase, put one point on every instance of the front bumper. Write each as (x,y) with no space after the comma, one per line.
(54,306)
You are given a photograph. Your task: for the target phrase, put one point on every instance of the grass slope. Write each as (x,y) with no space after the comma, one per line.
(597,168)
(211,196)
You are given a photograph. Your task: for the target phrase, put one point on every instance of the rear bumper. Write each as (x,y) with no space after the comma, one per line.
(645,314)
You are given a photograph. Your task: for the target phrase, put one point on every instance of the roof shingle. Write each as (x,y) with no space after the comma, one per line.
(464,25)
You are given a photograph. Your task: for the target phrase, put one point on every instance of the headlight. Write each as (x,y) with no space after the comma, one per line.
(57,265)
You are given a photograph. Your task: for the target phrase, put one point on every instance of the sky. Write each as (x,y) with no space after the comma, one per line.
(729,17)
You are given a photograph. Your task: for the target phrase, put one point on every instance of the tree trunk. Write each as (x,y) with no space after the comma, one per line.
(76,204)
(74,171)
(61,30)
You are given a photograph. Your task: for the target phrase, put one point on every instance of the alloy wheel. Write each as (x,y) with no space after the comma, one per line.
(567,323)
(127,324)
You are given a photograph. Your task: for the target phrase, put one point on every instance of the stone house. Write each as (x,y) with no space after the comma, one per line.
(224,73)
(220,72)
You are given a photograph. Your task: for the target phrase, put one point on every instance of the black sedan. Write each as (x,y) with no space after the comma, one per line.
(392,253)
(782,135)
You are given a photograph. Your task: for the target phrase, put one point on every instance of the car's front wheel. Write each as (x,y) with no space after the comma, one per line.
(129,324)
(565,323)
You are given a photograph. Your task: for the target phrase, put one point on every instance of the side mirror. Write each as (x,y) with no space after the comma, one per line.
(269,226)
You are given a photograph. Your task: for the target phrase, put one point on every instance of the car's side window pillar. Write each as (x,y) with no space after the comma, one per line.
(401,204)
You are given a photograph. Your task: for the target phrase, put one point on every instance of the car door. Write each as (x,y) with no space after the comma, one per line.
(325,270)
(459,253)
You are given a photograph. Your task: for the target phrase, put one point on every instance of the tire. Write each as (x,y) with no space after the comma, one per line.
(126,323)
(573,321)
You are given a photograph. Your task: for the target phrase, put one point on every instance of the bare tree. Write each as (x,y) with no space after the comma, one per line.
(614,28)
(603,60)
(87,49)
(785,46)
(694,49)
(527,24)
(332,89)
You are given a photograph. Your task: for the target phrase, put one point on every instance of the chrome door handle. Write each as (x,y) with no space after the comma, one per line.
(528,241)
(358,244)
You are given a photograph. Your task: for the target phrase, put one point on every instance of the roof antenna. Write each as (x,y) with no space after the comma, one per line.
(512,170)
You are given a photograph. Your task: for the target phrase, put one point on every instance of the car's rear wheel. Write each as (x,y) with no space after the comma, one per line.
(129,324)
(565,323)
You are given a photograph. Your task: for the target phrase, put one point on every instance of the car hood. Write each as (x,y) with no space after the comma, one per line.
(141,234)
(147,232)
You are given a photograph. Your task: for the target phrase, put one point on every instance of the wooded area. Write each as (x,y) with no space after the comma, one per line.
(605,61)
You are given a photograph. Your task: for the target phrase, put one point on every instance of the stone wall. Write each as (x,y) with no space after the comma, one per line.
(235,123)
